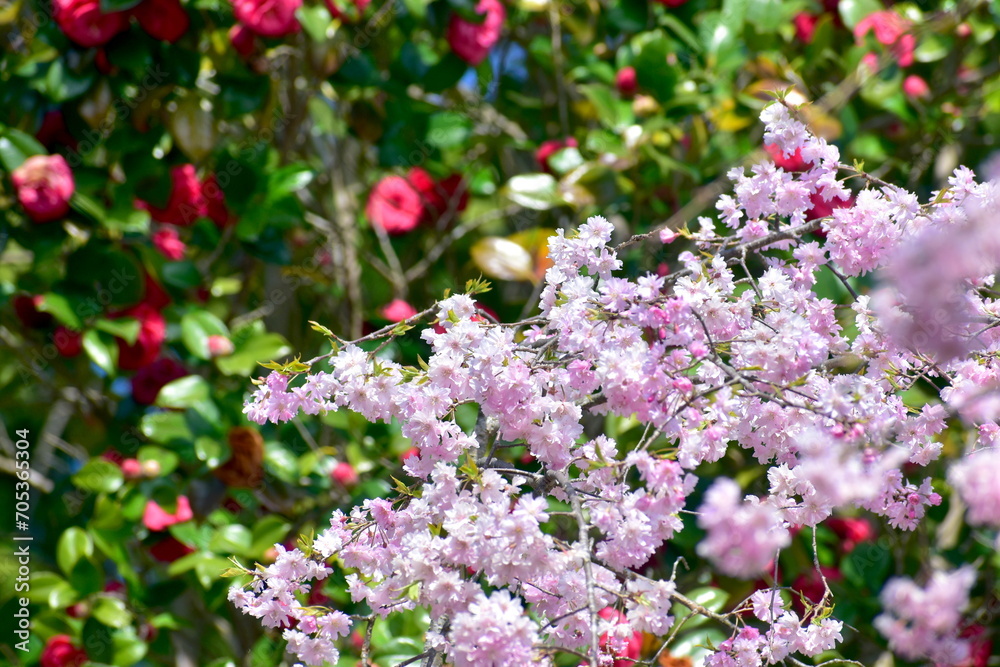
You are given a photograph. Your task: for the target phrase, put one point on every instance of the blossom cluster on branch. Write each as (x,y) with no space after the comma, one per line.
(735,350)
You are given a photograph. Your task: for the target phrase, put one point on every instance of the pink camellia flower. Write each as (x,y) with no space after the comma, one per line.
(626,81)
(169,244)
(131,468)
(219,346)
(890,30)
(472,41)
(550,147)
(68,343)
(60,651)
(44,185)
(394,205)
(84,22)
(805,26)
(344,474)
(148,381)
(915,87)
(633,647)
(398,310)
(164,20)
(146,348)
(268,18)
(156,518)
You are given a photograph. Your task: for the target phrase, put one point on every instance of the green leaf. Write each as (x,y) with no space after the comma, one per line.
(74,544)
(185,392)
(448,130)
(232,539)
(534,191)
(16,147)
(248,352)
(266,533)
(166,428)
(126,328)
(315,19)
(87,206)
(652,69)
(210,450)
(60,308)
(97,639)
(852,11)
(287,181)
(109,6)
(613,112)
(100,350)
(128,648)
(99,476)
(196,327)
(111,611)
(167,459)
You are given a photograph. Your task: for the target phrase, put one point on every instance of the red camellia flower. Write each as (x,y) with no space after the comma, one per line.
(673,4)
(340,10)
(26,308)
(169,244)
(793,162)
(60,651)
(626,82)
(215,202)
(398,310)
(822,208)
(634,647)
(53,133)
(890,29)
(394,205)
(156,518)
(810,585)
(980,646)
(242,39)
(44,185)
(148,381)
(170,549)
(472,41)
(152,333)
(851,530)
(550,147)
(185,204)
(84,22)
(190,199)
(165,20)
(268,18)
(68,343)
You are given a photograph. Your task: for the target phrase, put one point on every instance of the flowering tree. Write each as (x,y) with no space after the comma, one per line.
(187,186)
(736,351)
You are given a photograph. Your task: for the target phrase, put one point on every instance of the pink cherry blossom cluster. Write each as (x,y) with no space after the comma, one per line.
(712,357)
(922,622)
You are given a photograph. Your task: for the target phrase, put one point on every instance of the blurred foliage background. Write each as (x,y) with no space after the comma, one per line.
(233,181)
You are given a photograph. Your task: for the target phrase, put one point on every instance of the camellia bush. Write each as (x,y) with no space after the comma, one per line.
(192,188)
